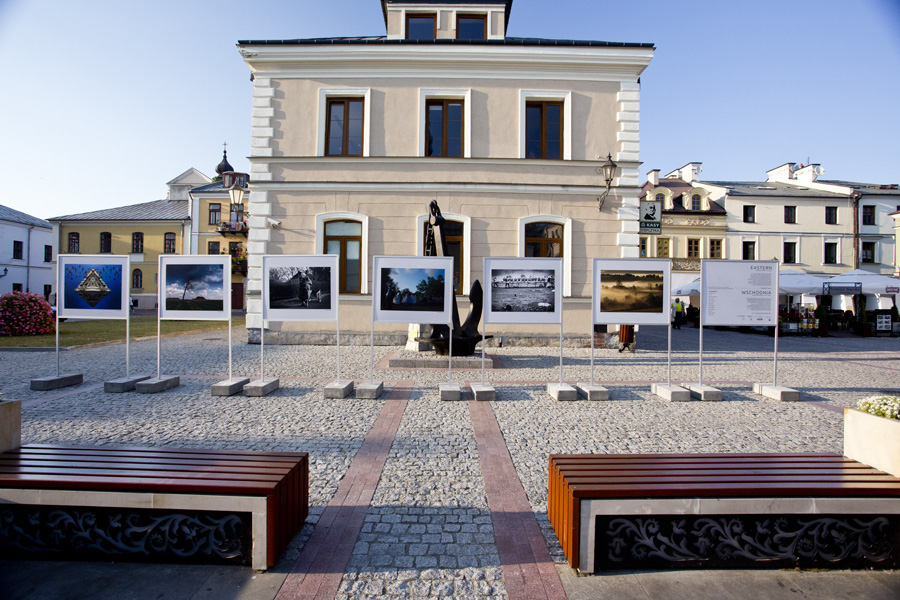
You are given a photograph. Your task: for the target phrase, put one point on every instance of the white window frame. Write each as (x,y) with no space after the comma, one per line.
(324,95)
(797,246)
(567,244)
(323,218)
(526,96)
(837,251)
(467,244)
(447,94)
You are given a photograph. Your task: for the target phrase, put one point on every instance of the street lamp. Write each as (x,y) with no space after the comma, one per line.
(236,184)
(608,170)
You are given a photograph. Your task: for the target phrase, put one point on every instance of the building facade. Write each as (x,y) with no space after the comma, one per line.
(26,254)
(352,138)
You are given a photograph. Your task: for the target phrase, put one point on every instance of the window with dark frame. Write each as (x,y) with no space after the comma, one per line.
(17,287)
(235,248)
(215,213)
(237,213)
(749,213)
(790,252)
(868,252)
(831,215)
(544,130)
(453,234)
(344,238)
(18,250)
(790,214)
(212,247)
(662,247)
(643,247)
(344,127)
(444,128)
(693,248)
(421,26)
(749,251)
(137,279)
(137,242)
(830,257)
(48,289)
(695,202)
(471,27)
(715,248)
(74,243)
(105,242)
(868,215)
(544,240)
(169,243)
(48,253)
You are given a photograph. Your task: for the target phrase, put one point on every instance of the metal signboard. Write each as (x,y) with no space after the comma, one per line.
(650,216)
(739,292)
(842,289)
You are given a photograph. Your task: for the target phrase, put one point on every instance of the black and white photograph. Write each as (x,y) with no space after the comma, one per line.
(413,289)
(195,288)
(629,291)
(300,287)
(523,290)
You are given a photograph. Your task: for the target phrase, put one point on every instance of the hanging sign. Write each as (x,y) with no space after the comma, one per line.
(651,215)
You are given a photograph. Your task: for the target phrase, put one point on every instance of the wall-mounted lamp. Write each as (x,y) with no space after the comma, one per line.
(5,271)
(608,170)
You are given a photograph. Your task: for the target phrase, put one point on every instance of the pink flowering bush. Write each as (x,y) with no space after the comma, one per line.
(25,314)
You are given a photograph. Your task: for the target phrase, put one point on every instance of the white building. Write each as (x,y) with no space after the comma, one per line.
(26,254)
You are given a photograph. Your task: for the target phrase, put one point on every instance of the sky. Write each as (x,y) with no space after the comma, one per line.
(105,101)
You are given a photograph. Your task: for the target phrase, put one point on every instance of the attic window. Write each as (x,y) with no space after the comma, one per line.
(421,26)
(471,27)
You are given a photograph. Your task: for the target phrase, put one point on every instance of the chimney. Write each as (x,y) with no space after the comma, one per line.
(653,177)
(784,173)
(809,173)
(688,173)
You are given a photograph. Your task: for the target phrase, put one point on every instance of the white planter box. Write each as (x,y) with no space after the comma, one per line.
(874,441)
(10,424)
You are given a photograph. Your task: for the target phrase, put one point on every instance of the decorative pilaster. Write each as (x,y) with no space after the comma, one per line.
(628,138)
(262,133)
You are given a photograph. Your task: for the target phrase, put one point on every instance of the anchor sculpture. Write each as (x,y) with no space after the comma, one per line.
(465,336)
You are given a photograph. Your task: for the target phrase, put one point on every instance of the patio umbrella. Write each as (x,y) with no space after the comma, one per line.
(690,289)
(795,282)
(872,283)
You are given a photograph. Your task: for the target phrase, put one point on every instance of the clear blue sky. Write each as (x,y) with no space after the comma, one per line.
(104,101)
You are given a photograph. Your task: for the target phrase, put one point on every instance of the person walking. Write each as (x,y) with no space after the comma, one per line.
(679,313)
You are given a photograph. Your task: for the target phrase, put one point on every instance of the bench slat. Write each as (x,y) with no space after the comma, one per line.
(158,449)
(204,466)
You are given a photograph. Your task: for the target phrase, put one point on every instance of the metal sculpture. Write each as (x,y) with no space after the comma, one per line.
(465,336)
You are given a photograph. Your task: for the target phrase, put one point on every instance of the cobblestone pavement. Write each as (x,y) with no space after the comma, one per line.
(428,529)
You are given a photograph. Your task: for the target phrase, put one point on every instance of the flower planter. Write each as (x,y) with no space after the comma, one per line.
(10,424)
(872,440)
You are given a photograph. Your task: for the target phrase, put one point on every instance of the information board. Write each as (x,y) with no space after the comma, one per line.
(739,292)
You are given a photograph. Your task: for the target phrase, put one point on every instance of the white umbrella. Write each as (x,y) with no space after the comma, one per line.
(872,283)
(690,289)
(797,282)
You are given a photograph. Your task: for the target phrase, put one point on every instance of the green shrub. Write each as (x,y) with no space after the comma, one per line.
(882,406)
(25,314)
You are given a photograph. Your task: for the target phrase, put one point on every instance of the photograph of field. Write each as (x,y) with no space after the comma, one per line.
(300,288)
(195,287)
(632,291)
(523,290)
(419,290)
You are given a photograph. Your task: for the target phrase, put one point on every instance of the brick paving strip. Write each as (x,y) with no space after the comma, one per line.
(528,570)
(318,571)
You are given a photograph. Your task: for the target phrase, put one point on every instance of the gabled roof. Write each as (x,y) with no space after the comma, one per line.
(770,188)
(158,210)
(192,175)
(14,216)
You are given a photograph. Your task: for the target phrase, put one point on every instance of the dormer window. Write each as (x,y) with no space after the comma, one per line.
(695,202)
(421,26)
(471,27)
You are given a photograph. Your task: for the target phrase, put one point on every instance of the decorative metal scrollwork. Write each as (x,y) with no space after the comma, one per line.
(202,537)
(845,541)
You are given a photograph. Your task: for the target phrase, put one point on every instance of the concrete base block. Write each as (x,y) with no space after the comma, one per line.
(369,390)
(10,424)
(484,391)
(43,384)
(228,387)
(562,391)
(157,384)
(122,384)
(339,389)
(672,393)
(592,391)
(703,392)
(450,391)
(261,387)
(776,392)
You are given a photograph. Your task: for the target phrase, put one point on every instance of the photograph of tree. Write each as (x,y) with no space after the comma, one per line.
(300,287)
(632,291)
(195,287)
(523,290)
(419,290)
(88,286)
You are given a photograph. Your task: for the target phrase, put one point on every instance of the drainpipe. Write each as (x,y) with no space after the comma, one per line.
(28,262)
(854,199)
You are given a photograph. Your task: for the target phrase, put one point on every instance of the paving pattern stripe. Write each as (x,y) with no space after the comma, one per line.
(319,570)
(527,568)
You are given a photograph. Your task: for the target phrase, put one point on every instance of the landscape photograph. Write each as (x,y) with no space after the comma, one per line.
(632,291)
(417,290)
(523,290)
(195,287)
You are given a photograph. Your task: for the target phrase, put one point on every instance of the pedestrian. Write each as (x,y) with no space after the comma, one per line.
(626,337)
(678,309)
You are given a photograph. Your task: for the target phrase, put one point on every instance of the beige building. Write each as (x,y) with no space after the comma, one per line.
(353,137)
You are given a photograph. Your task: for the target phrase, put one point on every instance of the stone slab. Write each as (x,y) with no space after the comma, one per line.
(122,384)
(672,393)
(154,385)
(10,424)
(228,387)
(776,392)
(261,387)
(438,362)
(703,392)
(339,389)
(450,391)
(484,392)
(43,384)
(562,392)
(369,390)
(592,391)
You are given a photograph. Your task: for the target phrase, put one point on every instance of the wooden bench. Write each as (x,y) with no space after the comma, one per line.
(624,511)
(156,503)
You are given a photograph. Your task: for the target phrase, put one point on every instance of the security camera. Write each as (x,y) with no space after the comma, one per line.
(274,223)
